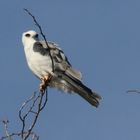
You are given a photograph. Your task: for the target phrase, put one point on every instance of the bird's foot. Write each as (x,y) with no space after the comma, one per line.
(45,80)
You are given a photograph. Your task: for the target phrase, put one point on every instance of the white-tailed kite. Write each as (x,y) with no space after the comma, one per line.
(64,76)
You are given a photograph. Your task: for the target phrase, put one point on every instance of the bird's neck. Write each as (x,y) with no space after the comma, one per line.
(29,44)
(28,48)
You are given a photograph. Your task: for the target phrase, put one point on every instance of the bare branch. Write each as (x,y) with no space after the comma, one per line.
(10,135)
(34,136)
(133,91)
(41,32)
(39,104)
(38,25)
(36,105)
(5,122)
(23,118)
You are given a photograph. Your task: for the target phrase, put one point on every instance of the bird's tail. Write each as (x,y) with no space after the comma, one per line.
(68,82)
(92,97)
(89,95)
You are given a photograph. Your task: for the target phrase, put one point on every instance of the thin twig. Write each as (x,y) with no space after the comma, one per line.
(34,136)
(5,122)
(36,101)
(41,32)
(133,91)
(45,102)
(10,135)
(41,105)
(23,118)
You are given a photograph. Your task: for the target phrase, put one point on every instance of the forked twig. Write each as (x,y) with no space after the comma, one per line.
(37,102)
(34,136)
(23,118)
(5,122)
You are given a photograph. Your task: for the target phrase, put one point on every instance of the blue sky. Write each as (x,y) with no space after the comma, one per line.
(102,39)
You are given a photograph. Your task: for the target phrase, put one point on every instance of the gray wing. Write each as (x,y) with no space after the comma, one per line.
(61,62)
(68,79)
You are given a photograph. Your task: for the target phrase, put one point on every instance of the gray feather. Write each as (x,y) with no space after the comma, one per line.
(60,60)
(39,48)
(70,84)
(67,78)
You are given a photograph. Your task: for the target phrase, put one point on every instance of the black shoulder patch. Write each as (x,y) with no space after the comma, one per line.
(40,49)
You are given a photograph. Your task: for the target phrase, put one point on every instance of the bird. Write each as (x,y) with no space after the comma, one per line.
(50,65)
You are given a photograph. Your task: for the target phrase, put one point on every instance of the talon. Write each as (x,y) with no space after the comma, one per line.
(45,80)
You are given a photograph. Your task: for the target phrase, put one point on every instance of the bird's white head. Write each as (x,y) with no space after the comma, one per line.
(29,37)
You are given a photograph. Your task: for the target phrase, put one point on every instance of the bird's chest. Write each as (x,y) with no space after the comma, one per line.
(39,64)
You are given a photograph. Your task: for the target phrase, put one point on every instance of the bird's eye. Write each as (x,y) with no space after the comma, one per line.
(36,36)
(27,35)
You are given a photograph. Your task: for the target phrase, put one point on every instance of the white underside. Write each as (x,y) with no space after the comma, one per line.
(40,65)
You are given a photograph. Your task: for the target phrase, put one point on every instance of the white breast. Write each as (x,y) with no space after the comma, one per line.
(40,65)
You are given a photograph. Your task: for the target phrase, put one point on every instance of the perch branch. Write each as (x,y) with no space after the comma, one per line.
(36,102)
